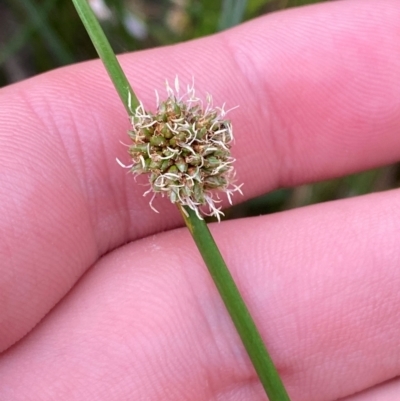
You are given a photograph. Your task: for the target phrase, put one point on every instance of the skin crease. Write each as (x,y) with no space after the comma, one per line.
(116,300)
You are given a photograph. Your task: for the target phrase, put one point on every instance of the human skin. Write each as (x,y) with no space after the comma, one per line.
(103,299)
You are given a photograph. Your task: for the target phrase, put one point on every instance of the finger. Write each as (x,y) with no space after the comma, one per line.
(147,323)
(65,201)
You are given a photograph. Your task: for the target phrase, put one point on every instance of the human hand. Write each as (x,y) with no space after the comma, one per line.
(118,302)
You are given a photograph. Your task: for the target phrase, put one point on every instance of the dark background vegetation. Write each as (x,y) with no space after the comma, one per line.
(40,35)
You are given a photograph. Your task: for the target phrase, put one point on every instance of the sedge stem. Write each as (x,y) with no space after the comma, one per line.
(236,307)
(227,288)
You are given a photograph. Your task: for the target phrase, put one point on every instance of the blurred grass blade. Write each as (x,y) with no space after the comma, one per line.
(19,39)
(38,16)
(232,13)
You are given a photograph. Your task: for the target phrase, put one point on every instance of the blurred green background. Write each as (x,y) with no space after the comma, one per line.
(39,35)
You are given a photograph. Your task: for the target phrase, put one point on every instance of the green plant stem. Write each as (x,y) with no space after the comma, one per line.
(107,55)
(236,307)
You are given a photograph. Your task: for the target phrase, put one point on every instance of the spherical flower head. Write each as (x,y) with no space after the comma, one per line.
(184,147)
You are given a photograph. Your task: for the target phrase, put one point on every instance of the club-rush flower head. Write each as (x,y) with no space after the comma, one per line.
(184,147)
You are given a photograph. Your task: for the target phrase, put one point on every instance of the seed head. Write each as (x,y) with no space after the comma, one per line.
(185,149)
